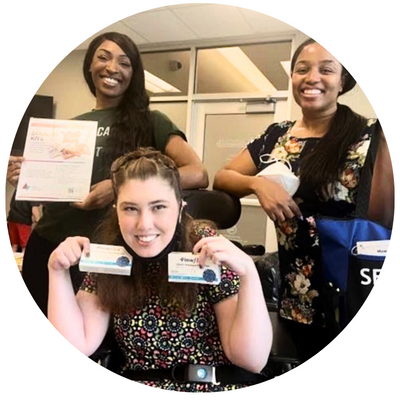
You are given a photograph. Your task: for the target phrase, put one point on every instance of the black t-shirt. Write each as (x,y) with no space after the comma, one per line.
(20,211)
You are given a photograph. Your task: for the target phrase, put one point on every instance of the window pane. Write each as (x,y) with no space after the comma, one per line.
(227,134)
(249,68)
(167,73)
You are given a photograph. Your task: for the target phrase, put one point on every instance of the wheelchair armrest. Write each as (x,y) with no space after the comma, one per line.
(111,358)
(268,270)
(109,355)
(284,355)
(102,357)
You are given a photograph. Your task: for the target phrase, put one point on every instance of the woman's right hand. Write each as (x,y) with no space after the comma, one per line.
(14,169)
(68,253)
(275,201)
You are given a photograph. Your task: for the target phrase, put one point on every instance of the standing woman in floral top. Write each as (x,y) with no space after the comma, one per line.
(163,327)
(326,148)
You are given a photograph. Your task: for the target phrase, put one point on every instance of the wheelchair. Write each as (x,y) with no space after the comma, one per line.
(225,210)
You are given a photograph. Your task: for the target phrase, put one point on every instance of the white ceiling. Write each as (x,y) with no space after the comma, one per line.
(193,23)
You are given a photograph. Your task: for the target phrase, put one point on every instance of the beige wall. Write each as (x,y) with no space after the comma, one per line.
(72,96)
(355,99)
(68,87)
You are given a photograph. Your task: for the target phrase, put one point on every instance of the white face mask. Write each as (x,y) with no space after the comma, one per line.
(280,171)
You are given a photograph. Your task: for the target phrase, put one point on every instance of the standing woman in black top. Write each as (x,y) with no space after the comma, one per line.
(114,73)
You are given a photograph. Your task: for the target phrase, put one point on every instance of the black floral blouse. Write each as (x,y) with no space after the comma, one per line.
(298,245)
(159,336)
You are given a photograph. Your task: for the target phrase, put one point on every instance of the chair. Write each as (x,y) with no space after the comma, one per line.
(284,355)
(215,205)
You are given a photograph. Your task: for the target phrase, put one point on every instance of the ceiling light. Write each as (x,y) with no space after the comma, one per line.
(157,85)
(248,69)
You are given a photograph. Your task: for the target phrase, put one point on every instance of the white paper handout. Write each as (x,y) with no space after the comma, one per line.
(58,160)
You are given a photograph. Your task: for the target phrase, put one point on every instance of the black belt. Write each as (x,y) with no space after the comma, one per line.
(220,375)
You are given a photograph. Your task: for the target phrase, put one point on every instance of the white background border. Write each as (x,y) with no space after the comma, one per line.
(37,361)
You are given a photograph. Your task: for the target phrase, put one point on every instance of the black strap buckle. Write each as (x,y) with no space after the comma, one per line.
(196,373)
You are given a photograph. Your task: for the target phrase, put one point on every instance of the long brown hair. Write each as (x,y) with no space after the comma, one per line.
(321,166)
(120,294)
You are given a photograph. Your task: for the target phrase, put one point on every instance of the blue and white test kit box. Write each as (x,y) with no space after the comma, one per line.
(106,259)
(185,267)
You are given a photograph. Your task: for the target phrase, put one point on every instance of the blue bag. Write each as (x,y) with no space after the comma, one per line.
(337,240)
(350,277)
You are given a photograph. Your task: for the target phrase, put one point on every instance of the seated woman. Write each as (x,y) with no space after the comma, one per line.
(163,327)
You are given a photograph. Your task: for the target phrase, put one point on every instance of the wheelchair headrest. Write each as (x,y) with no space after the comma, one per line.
(218,206)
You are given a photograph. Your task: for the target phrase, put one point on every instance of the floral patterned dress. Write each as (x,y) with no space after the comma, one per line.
(160,336)
(301,297)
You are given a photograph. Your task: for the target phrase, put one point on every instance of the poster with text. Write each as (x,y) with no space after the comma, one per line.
(58,160)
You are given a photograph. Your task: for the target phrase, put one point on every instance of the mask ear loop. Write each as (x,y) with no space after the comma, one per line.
(178,231)
(273,159)
(183,205)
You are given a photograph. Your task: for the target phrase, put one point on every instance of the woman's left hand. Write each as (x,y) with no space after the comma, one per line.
(222,251)
(100,196)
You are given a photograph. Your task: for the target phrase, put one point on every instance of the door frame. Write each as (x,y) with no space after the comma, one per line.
(228,107)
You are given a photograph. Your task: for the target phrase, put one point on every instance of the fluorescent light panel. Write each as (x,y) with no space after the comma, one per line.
(247,68)
(156,85)
(286,67)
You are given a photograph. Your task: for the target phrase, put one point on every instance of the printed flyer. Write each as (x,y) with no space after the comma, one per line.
(58,160)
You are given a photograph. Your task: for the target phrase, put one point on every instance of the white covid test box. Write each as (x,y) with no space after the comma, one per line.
(106,259)
(184,267)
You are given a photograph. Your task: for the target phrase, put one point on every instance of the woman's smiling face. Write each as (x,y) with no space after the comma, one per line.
(148,212)
(316,79)
(111,71)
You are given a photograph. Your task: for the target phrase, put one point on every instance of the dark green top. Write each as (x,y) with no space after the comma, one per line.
(60,219)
